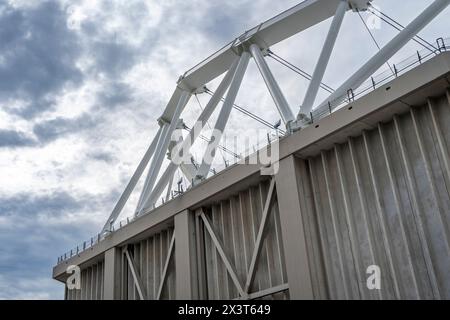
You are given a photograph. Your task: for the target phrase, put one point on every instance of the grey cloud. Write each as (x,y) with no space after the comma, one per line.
(31,245)
(28,204)
(53,129)
(115,94)
(113,57)
(39,52)
(107,157)
(12,138)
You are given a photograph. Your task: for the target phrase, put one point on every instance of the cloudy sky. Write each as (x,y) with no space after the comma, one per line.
(82,84)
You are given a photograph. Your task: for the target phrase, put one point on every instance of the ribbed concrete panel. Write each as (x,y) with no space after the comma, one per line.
(235,222)
(382,198)
(91,284)
(150,257)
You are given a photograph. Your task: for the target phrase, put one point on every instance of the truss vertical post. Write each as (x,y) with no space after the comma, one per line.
(291,210)
(186,256)
(388,51)
(274,89)
(159,157)
(222,120)
(324,58)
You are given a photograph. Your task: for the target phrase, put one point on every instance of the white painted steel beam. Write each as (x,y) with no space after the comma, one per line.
(224,114)
(286,24)
(132,184)
(164,127)
(159,156)
(274,89)
(324,58)
(196,130)
(387,52)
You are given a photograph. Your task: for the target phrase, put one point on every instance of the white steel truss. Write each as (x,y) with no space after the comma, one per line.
(233,59)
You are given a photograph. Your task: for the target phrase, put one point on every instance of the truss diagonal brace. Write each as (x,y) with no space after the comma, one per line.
(272,85)
(387,52)
(195,132)
(219,246)
(222,120)
(132,184)
(162,148)
(136,277)
(261,235)
(324,58)
(166,267)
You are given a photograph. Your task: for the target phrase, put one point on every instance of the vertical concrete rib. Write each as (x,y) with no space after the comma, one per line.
(395,276)
(399,209)
(331,287)
(339,246)
(419,216)
(359,186)
(356,255)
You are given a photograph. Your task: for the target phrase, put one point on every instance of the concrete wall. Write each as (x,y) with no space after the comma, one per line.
(92,280)
(383,198)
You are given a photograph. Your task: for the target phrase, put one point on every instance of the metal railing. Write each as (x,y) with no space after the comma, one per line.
(381,79)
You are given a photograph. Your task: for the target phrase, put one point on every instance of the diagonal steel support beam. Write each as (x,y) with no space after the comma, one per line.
(322,63)
(164,127)
(387,52)
(274,89)
(261,235)
(163,144)
(219,246)
(166,267)
(132,184)
(136,277)
(195,132)
(224,115)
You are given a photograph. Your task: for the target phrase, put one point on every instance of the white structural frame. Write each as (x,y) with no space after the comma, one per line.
(324,58)
(274,89)
(398,42)
(224,115)
(234,58)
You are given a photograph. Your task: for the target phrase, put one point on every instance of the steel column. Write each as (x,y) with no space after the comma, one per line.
(387,51)
(185,256)
(324,58)
(222,120)
(272,85)
(292,229)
